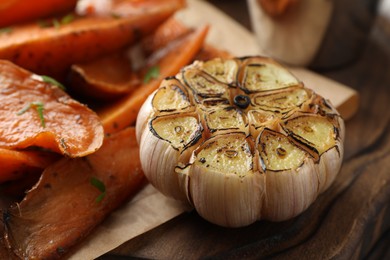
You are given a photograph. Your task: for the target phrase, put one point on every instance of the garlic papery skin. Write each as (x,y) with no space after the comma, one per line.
(289,192)
(227,199)
(240,140)
(225,187)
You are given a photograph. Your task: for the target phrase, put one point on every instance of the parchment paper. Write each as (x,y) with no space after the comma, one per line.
(149,208)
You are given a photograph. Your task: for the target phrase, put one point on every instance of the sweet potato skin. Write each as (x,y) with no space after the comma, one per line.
(51,50)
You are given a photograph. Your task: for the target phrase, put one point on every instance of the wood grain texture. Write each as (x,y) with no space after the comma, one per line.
(351,220)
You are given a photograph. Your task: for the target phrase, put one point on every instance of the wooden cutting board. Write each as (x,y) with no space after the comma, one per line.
(227,34)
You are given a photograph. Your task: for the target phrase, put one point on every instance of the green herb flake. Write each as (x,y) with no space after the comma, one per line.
(52,81)
(23,110)
(115,16)
(56,23)
(44,23)
(38,107)
(5,30)
(98,184)
(152,73)
(67,19)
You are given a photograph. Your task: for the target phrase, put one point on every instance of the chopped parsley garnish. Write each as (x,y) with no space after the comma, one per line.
(55,22)
(53,82)
(5,30)
(116,16)
(152,73)
(67,19)
(38,107)
(44,23)
(98,184)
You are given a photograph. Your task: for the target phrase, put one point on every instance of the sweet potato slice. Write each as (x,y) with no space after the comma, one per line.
(15,164)
(112,76)
(170,30)
(124,112)
(37,113)
(16,11)
(209,52)
(72,197)
(51,50)
(106,78)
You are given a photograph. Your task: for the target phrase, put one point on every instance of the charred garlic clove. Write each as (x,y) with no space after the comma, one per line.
(170,98)
(224,119)
(278,152)
(240,140)
(264,75)
(315,131)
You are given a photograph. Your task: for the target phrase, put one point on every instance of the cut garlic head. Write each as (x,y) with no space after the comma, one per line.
(240,140)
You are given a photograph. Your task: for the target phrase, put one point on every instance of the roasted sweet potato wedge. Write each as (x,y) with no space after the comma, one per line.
(16,164)
(105,78)
(37,113)
(124,112)
(113,75)
(168,31)
(72,197)
(17,11)
(209,52)
(51,50)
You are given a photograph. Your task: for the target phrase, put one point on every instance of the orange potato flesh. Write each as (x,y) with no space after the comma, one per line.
(51,50)
(63,207)
(124,112)
(67,127)
(17,164)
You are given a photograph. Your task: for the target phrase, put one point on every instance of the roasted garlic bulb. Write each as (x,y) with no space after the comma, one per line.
(240,140)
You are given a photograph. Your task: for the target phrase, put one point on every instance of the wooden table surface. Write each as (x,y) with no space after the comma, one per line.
(351,220)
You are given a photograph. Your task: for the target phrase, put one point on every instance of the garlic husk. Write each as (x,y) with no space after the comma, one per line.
(225,187)
(143,117)
(159,160)
(290,192)
(330,161)
(227,199)
(160,157)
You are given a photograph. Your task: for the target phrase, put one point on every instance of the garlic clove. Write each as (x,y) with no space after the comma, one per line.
(279,152)
(259,74)
(259,119)
(224,187)
(180,131)
(315,131)
(204,86)
(281,102)
(171,97)
(224,71)
(169,142)
(290,192)
(224,119)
